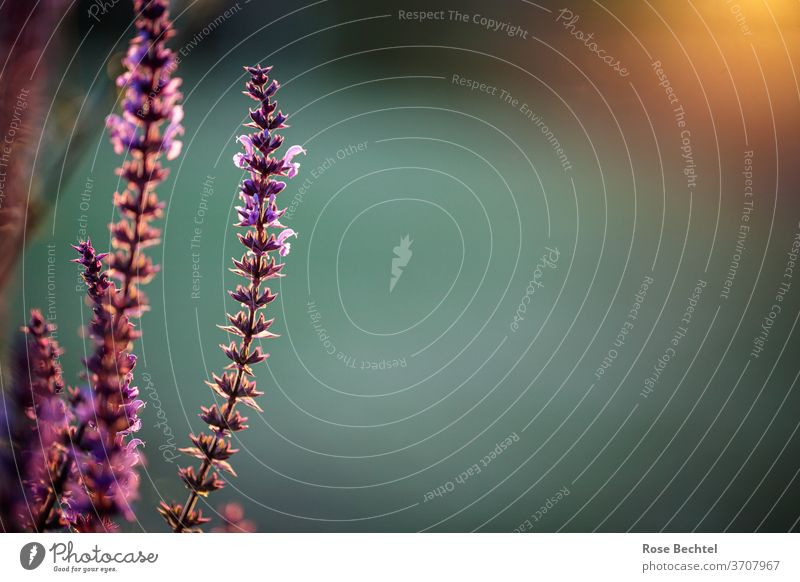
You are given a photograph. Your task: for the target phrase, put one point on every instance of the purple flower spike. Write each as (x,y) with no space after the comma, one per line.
(259,214)
(103,478)
(91,479)
(150,125)
(36,422)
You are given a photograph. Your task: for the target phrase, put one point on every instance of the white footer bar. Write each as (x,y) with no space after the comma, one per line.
(417,557)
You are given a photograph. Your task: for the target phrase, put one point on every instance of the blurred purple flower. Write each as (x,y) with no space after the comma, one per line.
(36,423)
(233,520)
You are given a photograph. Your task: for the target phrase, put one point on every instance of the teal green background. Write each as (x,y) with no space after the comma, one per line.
(482,194)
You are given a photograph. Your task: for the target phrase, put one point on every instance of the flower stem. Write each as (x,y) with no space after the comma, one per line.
(133,250)
(205,467)
(57,485)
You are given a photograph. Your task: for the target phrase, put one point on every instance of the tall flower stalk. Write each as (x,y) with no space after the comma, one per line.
(105,452)
(50,419)
(100,473)
(94,480)
(36,423)
(264,235)
(151,100)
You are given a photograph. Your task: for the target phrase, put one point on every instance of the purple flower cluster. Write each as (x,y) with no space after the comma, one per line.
(76,455)
(93,478)
(151,101)
(104,449)
(35,421)
(75,451)
(260,215)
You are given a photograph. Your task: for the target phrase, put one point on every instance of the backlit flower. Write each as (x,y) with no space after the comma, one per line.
(259,214)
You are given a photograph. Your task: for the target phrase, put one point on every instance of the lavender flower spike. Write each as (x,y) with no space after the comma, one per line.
(151,100)
(105,477)
(35,421)
(96,473)
(260,216)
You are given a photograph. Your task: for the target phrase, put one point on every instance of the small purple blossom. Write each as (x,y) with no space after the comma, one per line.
(122,134)
(285,247)
(259,214)
(291,168)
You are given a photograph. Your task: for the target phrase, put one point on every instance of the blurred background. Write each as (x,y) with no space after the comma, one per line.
(593,210)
